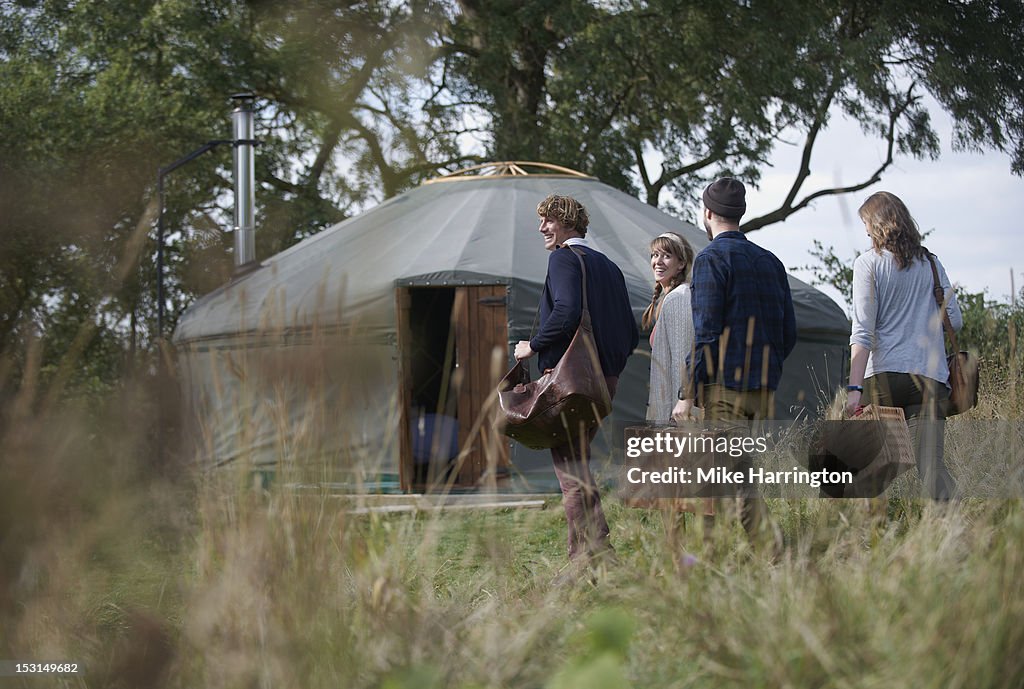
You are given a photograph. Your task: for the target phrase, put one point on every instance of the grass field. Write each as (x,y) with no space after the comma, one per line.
(155,577)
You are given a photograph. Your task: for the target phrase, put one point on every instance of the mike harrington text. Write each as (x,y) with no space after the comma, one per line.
(723,476)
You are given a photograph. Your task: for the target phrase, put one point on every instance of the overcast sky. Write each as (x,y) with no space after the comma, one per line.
(973,204)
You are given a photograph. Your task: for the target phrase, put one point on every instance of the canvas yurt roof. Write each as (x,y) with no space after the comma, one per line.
(461,229)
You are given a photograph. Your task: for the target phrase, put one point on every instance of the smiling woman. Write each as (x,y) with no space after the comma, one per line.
(671,322)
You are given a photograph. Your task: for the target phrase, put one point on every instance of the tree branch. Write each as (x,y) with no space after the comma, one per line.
(812,137)
(283,185)
(327,146)
(788,208)
(439,87)
(667,176)
(408,172)
(387,173)
(451,48)
(638,153)
(617,106)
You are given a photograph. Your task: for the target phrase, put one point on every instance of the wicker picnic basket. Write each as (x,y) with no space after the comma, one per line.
(895,456)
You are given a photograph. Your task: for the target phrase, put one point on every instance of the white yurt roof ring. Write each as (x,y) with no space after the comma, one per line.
(509,168)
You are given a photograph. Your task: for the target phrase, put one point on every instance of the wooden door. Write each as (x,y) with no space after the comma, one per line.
(480,315)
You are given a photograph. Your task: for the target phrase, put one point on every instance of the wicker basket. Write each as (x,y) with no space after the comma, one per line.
(895,457)
(900,443)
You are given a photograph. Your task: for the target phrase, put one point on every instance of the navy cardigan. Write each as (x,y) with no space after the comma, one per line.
(561,306)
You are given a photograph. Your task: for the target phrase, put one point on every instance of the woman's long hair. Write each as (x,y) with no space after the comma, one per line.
(891,227)
(670,243)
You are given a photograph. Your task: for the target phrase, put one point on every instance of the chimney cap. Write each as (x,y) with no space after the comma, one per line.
(243,96)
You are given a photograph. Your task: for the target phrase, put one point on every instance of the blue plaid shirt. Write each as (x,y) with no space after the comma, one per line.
(742,315)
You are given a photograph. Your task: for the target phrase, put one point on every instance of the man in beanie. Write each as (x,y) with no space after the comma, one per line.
(743,321)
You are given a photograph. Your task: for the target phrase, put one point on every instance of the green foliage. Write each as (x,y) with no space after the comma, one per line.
(148,582)
(177,578)
(609,631)
(706,88)
(600,662)
(993,329)
(420,677)
(829,269)
(96,96)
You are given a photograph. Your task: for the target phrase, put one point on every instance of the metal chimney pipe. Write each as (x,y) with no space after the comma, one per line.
(245,181)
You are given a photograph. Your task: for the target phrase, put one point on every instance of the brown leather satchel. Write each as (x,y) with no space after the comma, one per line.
(963,366)
(566,401)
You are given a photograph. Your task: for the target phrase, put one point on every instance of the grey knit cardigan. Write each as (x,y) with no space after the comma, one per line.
(672,343)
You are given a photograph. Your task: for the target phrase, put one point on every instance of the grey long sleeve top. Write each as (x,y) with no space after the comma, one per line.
(895,316)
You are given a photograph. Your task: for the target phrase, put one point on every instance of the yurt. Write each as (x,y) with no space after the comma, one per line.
(371,350)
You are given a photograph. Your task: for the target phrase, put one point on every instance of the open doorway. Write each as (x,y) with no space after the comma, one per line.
(453,341)
(432,422)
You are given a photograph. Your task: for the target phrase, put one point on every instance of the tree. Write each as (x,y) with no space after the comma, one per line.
(94,96)
(709,88)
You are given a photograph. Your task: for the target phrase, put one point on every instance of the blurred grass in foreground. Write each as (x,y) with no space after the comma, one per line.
(163,577)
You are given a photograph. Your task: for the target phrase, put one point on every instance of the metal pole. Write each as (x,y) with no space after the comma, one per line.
(244,144)
(245,182)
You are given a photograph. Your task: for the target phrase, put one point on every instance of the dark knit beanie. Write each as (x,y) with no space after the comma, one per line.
(726,197)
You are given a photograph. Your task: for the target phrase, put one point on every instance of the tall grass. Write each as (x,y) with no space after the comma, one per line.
(177,578)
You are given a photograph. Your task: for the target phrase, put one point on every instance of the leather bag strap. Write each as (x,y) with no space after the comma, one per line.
(940,299)
(585,313)
(583,268)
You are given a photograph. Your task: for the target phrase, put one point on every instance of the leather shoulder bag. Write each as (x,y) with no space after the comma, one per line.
(963,366)
(568,400)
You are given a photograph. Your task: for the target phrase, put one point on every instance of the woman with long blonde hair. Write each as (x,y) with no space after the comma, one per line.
(670,316)
(897,351)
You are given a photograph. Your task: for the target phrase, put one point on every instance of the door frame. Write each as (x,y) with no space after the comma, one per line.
(479,317)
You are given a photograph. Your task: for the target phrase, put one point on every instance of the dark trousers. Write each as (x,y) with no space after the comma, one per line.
(588,528)
(923,401)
